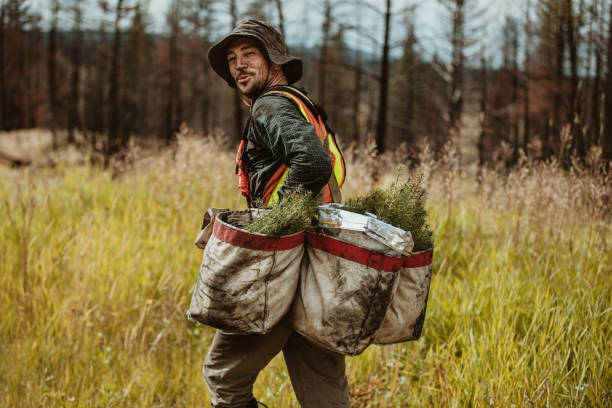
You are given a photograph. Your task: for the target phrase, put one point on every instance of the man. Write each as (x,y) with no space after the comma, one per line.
(253,58)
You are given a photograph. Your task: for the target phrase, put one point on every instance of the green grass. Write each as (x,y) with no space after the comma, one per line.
(96,274)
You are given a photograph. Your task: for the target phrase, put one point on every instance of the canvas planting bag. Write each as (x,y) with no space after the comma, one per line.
(346,285)
(406,313)
(247,281)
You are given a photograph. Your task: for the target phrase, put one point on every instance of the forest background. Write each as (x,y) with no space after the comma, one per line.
(535,79)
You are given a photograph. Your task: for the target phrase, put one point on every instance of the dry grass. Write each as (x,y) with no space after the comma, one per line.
(97,269)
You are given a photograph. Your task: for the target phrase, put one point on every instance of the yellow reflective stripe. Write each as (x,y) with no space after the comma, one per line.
(274,197)
(337,162)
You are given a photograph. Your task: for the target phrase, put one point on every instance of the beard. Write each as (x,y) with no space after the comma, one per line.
(256,90)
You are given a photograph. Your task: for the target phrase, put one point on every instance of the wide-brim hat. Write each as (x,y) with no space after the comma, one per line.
(272,44)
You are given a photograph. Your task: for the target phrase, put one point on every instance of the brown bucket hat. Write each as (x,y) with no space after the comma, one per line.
(272,43)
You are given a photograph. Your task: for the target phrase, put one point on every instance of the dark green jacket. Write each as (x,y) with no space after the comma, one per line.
(277,133)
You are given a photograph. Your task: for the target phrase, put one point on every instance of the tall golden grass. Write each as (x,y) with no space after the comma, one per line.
(97,268)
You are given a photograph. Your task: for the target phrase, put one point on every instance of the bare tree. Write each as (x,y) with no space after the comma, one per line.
(51,75)
(484,96)
(573,21)
(596,41)
(137,105)
(281,17)
(174,104)
(114,141)
(323,63)
(554,132)
(357,84)
(606,139)
(572,29)
(381,124)
(457,11)
(77,40)
(527,77)
(510,72)
(3,107)
(406,79)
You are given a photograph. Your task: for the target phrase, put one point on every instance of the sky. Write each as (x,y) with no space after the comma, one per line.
(304,19)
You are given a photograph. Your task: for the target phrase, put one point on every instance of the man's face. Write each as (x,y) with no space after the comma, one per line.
(248,66)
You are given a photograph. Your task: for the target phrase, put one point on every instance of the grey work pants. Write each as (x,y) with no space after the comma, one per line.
(233,362)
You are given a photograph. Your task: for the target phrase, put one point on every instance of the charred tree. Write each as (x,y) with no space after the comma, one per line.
(410,61)
(573,28)
(510,71)
(114,143)
(554,135)
(606,139)
(356,96)
(457,62)
(3,109)
(323,63)
(51,75)
(572,46)
(77,40)
(281,17)
(381,124)
(484,95)
(527,78)
(596,40)
(173,105)
(137,59)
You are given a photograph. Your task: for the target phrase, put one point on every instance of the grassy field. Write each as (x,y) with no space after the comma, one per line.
(97,268)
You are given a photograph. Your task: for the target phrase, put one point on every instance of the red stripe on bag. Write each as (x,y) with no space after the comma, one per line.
(243,239)
(354,253)
(419,259)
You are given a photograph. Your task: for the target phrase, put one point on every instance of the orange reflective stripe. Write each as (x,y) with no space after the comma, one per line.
(327,197)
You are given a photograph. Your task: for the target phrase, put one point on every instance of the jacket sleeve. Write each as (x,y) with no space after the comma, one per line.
(293,141)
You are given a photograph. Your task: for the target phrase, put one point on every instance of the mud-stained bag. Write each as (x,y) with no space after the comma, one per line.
(207,226)
(406,313)
(247,280)
(346,285)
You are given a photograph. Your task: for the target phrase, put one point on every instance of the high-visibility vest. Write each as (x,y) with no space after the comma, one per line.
(326,137)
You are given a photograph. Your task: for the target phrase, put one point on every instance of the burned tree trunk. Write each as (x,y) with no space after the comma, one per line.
(51,74)
(113,143)
(173,105)
(381,125)
(77,39)
(484,94)
(456,85)
(606,139)
(356,97)
(281,17)
(527,78)
(323,68)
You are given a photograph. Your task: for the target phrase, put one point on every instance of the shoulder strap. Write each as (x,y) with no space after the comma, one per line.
(298,93)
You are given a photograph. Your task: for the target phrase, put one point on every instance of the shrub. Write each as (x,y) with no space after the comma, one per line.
(401,204)
(289,216)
